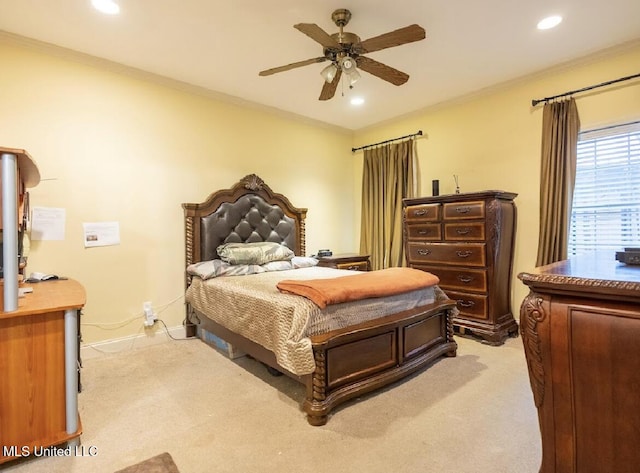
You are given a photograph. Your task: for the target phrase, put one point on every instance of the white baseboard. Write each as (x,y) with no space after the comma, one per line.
(151,336)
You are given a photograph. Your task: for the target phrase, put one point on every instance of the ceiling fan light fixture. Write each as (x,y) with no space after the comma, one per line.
(329,72)
(345,52)
(353,76)
(348,64)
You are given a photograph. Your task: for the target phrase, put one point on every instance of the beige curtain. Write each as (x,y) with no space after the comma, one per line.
(389,175)
(560,128)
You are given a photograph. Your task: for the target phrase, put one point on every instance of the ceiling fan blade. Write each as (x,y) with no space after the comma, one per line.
(316,33)
(329,89)
(315,60)
(382,71)
(408,34)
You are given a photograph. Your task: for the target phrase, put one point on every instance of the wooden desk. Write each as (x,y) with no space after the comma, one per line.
(38,365)
(580,326)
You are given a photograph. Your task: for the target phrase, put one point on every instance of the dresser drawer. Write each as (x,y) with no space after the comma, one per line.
(463,254)
(472,231)
(352,261)
(464,210)
(470,305)
(424,231)
(460,279)
(354,266)
(422,213)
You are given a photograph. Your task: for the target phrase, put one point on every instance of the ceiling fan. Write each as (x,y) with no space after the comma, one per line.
(345,51)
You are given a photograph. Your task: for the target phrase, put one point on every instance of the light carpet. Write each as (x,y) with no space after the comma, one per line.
(470,414)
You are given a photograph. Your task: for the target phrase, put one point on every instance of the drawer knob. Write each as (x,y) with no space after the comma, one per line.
(463,231)
(424,252)
(464,254)
(419,213)
(466,304)
(465,279)
(422,232)
(463,210)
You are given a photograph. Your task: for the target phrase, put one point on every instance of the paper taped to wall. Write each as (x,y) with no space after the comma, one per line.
(101,234)
(47,223)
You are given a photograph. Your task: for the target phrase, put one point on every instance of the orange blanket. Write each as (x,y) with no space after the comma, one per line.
(384,282)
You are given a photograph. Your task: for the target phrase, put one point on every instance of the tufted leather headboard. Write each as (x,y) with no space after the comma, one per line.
(248,212)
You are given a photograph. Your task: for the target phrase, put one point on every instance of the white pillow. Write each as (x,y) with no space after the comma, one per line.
(277,266)
(303,262)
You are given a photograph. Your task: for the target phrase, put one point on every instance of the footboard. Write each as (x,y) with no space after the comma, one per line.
(351,362)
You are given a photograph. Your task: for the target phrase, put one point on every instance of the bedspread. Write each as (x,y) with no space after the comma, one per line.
(253,307)
(362,285)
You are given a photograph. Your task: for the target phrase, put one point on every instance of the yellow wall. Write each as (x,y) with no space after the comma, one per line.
(112,146)
(492,140)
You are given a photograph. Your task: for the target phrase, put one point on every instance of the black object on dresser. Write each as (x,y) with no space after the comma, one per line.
(467,241)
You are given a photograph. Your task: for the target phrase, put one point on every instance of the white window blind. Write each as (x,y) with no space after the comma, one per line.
(606,200)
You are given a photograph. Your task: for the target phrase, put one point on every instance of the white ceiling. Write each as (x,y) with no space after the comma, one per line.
(222,45)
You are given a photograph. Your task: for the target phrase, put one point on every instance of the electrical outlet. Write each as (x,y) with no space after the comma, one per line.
(149,315)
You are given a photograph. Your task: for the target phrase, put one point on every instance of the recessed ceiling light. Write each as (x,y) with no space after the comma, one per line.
(549,22)
(106,6)
(357,101)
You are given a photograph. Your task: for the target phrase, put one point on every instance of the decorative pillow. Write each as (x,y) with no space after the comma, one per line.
(254,253)
(243,269)
(282,265)
(303,262)
(214,268)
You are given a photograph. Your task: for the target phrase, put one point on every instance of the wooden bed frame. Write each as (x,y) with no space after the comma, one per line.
(350,361)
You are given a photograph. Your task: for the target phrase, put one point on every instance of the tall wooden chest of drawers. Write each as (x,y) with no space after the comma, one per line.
(467,241)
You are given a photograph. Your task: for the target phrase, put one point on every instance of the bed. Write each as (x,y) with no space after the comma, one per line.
(371,343)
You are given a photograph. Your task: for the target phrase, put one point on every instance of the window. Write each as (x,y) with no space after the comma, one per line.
(606,199)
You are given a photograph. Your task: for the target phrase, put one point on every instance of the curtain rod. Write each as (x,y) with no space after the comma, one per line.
(535,102)
(419,133)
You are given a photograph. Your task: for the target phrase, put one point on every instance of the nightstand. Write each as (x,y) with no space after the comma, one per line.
(352,261)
